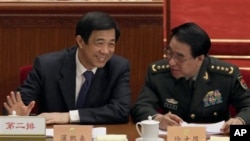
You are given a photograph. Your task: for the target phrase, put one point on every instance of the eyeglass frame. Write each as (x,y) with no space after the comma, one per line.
(177,58)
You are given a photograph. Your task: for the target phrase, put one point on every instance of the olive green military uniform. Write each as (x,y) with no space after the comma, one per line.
(217,85)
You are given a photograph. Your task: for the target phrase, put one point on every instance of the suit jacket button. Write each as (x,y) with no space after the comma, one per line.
(192,116)
(215,114)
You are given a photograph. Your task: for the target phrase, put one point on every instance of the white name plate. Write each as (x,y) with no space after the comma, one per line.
(22,125)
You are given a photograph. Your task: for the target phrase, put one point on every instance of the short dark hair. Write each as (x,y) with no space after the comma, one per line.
(96,21)
(193,35)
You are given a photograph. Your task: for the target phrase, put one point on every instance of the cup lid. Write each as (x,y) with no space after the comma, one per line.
(150,122)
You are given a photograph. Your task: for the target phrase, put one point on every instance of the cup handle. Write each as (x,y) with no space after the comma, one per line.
(137,128)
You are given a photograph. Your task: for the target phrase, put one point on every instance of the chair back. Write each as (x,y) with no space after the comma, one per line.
(23,74)
(246,76)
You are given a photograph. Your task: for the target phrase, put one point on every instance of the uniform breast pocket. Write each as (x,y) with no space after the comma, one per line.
(215,112)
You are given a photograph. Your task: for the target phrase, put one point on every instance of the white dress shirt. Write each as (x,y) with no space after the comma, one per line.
(80,69)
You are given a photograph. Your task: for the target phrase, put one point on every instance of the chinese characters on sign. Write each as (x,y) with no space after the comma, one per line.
(72,132)
(186,138)
(20,125)
(179,133)
(72,138)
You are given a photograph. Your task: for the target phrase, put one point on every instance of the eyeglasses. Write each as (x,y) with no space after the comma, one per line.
(178,58)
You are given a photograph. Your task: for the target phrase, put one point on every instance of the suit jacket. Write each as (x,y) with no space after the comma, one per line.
(218,84)
(52,83)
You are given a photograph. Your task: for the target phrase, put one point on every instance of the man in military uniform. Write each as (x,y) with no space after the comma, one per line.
(191,86)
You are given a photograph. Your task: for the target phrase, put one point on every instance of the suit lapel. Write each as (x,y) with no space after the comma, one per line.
(67,80)
(182,92)
(199,93)
(200,86)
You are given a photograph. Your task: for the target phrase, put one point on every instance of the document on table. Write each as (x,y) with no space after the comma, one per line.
(217,138)
(211,128)
(50,132)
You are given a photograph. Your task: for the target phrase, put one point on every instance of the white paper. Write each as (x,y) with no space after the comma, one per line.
(112,137)
(49,132)
(217,138)
(211,128)
(98,131)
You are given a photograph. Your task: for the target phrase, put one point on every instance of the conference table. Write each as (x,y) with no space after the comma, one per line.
(128,129)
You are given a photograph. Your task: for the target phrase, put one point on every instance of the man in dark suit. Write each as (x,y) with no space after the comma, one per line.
(191,86)
(56,79)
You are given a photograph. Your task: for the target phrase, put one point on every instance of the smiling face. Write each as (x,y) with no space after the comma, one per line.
(98,50)
(181,61)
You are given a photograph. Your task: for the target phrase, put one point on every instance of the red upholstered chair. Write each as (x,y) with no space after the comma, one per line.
(23,73)
(246,76)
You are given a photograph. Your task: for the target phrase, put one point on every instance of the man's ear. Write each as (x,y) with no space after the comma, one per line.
(79,40)
(201,57)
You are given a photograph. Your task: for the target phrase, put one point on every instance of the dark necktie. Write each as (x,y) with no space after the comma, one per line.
(84,89)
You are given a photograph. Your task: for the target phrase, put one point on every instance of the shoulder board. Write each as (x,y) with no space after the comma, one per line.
(221,67)
(159,66)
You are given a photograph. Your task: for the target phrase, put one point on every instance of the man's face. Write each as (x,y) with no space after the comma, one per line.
(99,50)
(181,62)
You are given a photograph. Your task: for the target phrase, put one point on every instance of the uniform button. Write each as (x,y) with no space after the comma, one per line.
(215,114)
(192,116)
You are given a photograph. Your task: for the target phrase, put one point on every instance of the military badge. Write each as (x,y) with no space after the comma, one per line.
(171,103)
(242,82)
(205,77)
(212,98)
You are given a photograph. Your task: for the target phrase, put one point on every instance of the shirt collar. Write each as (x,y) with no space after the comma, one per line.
(194,77)
(80,69)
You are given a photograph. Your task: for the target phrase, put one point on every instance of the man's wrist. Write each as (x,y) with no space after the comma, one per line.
(240,119)
(157,117)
